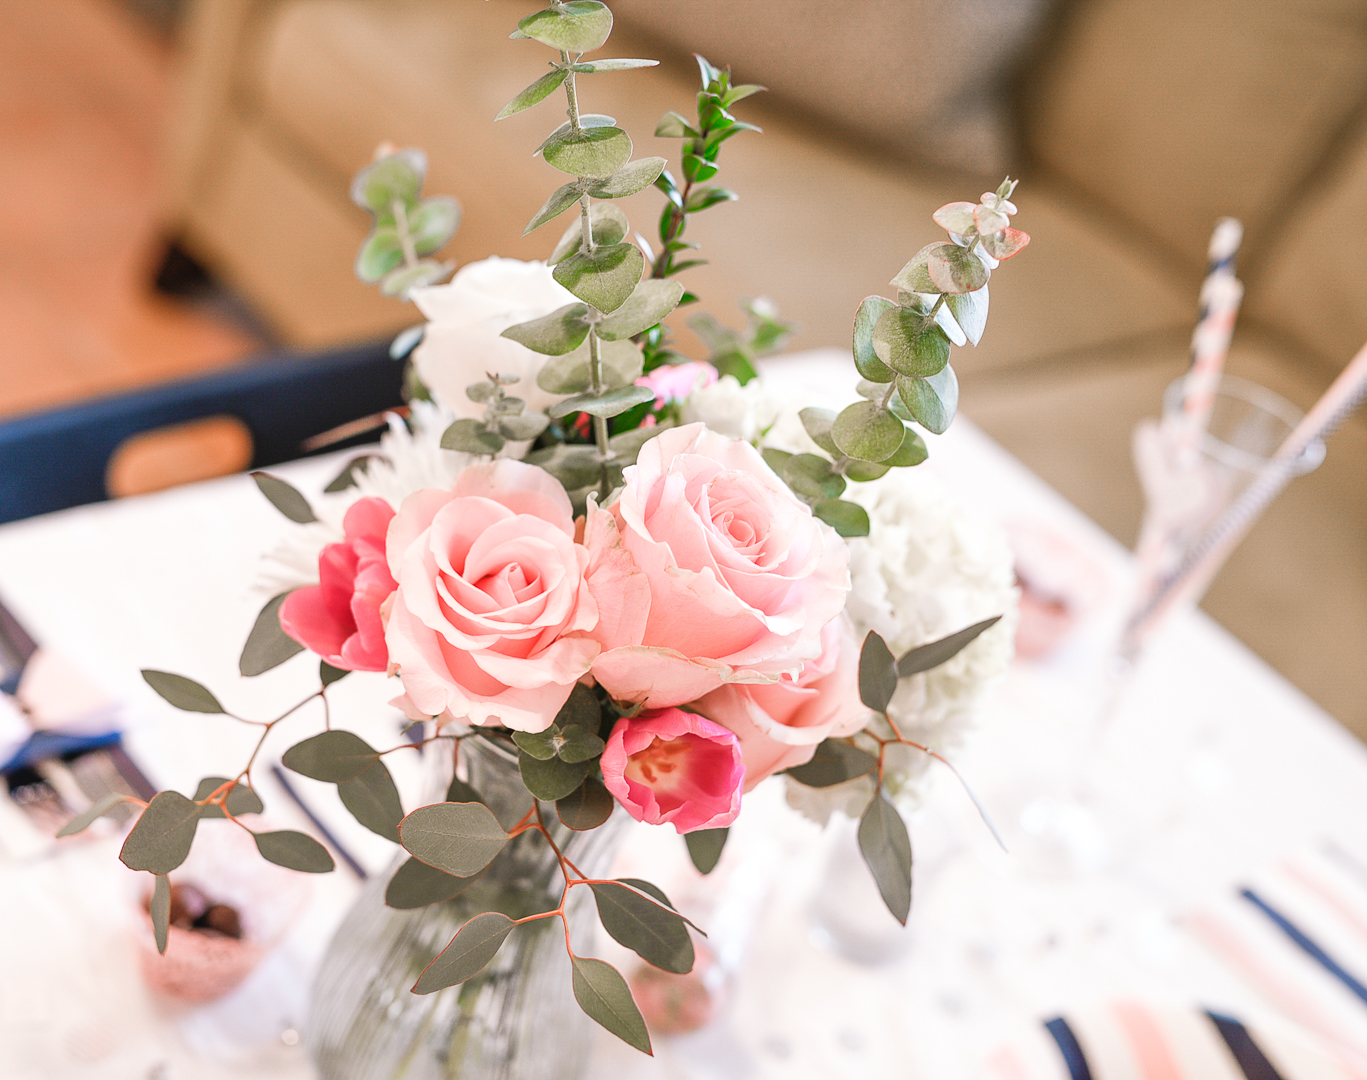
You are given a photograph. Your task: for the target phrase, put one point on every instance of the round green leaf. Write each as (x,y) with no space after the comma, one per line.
(649,303)
(183,693)
(268,645)
(911,452)
(560,332)
(953,269)
(241,799)
(161,838)
(593,152)
(295,850)
(549,780)
(812,477)
(817,423)
(475,944)
(903,341)
(471,437)
(458,838)
(433,223)
(867,431)
(395,176)
(332,756)
(970,312)
(403,280)
(931,401)
(604,278)
(524,427)
(586,807)
(609,225)
(579,26)
(633,177)
(380,254)
(569,374)
(871,309)
(914,278)
(861,472)
(846,518)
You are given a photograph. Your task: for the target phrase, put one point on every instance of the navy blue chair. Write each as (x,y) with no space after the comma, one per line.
(59,458)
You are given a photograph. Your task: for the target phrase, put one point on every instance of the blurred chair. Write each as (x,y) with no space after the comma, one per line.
(254,415)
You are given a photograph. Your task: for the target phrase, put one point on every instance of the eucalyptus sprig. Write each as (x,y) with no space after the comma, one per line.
(901,350)
(594,260)
(505,419)
(407,227)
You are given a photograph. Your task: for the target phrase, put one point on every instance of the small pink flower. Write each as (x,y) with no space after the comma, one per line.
(780,724)
(674,382)
(669,766)
(339,618)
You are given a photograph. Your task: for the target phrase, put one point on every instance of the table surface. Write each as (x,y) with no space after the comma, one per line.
(1211,767)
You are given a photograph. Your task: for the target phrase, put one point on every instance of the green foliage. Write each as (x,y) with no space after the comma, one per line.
(560,332)
(877,673)
(183,693)
(240,799)
(935,653)
(86,817)
(161,838)
(327,674)
(572,373)
(160,910)
(586,807)
(705,848)
(406,226)
(931,401)
(649,928)
(846,518)
(867,431)
(603,994)
(597,152)
(553,778)
(268,645)
(331,756)
(649,303)
(608,224)
(734,352)
(415,885)
(475,944)
(604,278)
(886,847)
(347,477)
(538,91)
(373,800)
(834,762)
(910,343)
(285,498)
(610,403)
(578,26)
(295,850)
(458,838)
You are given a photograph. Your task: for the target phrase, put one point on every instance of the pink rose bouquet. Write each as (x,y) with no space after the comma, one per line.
(649,619)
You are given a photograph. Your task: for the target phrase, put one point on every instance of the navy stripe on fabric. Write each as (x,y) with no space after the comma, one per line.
(1306,943)
(1070,1048)
(1249,1055)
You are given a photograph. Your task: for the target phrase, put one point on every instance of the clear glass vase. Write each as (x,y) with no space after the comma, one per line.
(518,1017)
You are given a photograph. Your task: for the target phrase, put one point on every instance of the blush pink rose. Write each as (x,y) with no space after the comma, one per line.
(742,577)
(672,767)
(490,621)
(339,618)
(673,382)
(779,724)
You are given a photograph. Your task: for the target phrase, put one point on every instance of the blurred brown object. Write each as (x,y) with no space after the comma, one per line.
(179,454)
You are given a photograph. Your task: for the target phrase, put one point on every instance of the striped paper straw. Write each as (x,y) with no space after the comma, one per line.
(1207,554)
(1221,295)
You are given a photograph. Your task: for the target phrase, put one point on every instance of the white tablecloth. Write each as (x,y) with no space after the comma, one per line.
(1212,767)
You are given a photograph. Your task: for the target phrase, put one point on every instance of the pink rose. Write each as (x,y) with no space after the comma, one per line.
(492,612)
(779,724)
(673,767)
(742,577)
(339,618)
(672,382)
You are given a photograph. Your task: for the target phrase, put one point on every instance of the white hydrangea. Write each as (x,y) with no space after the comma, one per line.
(926,570)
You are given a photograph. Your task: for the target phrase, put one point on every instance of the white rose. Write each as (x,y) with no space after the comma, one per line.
(465,318)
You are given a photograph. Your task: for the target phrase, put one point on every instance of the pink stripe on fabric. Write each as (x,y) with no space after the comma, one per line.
(1314,883)
(1230,944)
(1005,1065)
(1150,1046)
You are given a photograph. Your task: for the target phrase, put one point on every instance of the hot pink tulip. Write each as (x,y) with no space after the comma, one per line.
(339,618)
(780,724)
(742,577)
(674,767)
